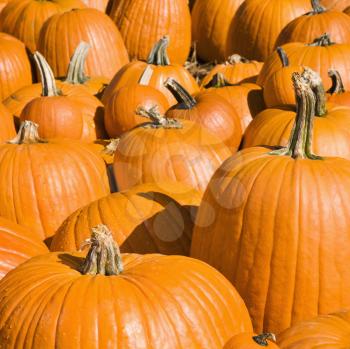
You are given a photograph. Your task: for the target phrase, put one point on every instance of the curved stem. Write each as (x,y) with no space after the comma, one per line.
(234,59)
(323,40)
(316,7)
(337,82)
(112,146)
(283,56)
(262,339)
(158,120)
(158,55)
(27,134)
(300,142)
(181,95)
(104,257)
(48,82)
(218,81)
(75,73)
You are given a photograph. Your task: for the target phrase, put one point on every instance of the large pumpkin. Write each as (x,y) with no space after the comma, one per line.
(148,218)
(109,300)
(261,218)
(141,26)
(25,18)
(7,129)
(161,70)
(62,33)
(168,150)
(43,182)
(256,26)
(251,341)
(17,245)
(211,21)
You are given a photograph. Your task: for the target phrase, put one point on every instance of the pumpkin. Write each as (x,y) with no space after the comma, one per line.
(335,5)
(119,300)
(17,245)
(159,61)
(97,4)
(313,24)
(14,66)
(321,55)
(62,33)
(249,341)
(331,125)
(7,129)
(325,331)
(337,93)
(141,26)
(278,89)
(3,3)
(167,150)
(246,99)
(148,218)
(121,109)
(43,182)
(262,216)
(255,28)
(211,21)
(213,112)
(25,18)
(236,70)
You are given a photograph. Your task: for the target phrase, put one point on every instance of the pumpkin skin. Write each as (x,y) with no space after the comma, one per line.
(246,341)
(17,245)
(272,210)
(161,70)
(326,331)
(7,129)
(211,22)
(335,5)
(56,42)
(260,26)
(337,93)
(14,66)
(155,302)
(141,26)
(97,4)
(45,182)
(148,218)
(25,18)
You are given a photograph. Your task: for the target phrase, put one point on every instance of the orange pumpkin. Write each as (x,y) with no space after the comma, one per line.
(162,69)
(209,110)
(17,245)
(270,208)
(335,5)
(255,28)
(326,331)
(141,26)
(43,182)
(167,150)
(211,21)
(14,66)
(25,18)
(7,129)
(148,218)
(120,301)
(337,93)
(62,33)
(97,4)
(236,70)
(250,341)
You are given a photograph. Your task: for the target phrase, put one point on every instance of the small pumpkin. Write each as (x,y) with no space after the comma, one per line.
(252,341)
(120,300)
(337,93)
(162,69)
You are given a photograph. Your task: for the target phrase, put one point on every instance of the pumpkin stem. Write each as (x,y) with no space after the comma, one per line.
(27,134)
(318,89)
(158,55)
(146,76)
(300,142)
(76,74)
(180,93)
(323,40)
(261,339)
(157,120)
(104,256)
(283,56)
(48,82)
(235,58)
(337,82)
(111,148)
(316,8)
(218,81)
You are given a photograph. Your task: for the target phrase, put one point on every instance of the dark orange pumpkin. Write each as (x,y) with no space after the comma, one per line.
(251,341)
(337,93)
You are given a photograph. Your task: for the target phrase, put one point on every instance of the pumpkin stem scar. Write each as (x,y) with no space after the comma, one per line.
(27,134)
(158,55)
(157,120)
(104,256)
(235,58)
(181,95)
(218,81)
(283,56)
(261,339)
(337,82)
(76,74)
(111,148)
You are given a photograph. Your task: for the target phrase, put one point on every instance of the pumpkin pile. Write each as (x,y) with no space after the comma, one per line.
(174,174)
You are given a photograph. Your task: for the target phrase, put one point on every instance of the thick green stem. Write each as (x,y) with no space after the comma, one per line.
(76,69)
(218,81)
(316,7)
(104,257)
(27,134)
(234,59)
(337,82)
(48,82)
(323,40)
(262,339)
(158,55)
(181,95)
(300,142)
(283,56)
(158,120)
